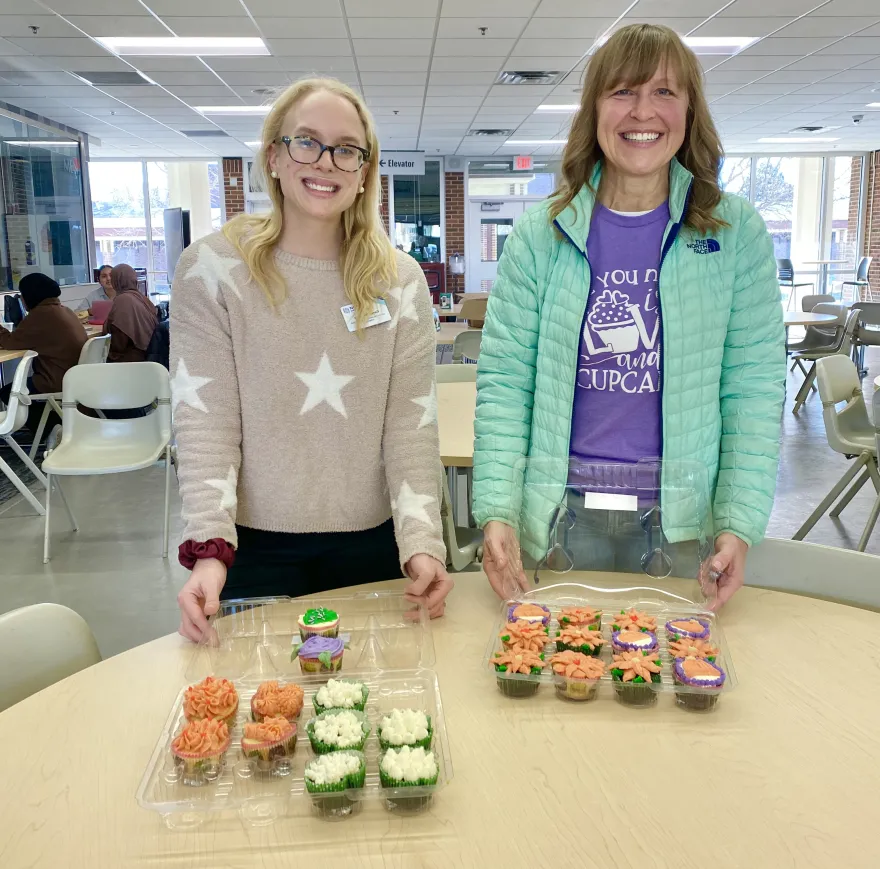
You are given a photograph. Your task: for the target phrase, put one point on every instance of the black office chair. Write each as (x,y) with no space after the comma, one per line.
(861,282)
(785,275)
(13,309)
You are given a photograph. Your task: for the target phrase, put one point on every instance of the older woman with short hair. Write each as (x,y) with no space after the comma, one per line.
(636,315)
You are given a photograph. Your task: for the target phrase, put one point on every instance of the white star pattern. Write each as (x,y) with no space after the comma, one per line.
(213,269)
(429,403)
(185,388)
(406,303)
(409,505)
(324,385)
(227,489)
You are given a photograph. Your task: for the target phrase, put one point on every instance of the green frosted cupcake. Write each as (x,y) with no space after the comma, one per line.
(318,622)
(338,729)
(330,779)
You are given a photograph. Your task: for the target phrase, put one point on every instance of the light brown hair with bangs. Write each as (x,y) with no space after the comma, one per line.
(630,58)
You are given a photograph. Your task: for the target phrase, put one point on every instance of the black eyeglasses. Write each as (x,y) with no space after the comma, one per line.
(305,149)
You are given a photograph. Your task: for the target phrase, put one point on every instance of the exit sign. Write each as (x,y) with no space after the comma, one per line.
(522,164)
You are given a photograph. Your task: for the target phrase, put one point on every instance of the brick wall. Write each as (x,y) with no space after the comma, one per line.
(852,218)
(872,220)
(383,202)
(454,228)
(233,186)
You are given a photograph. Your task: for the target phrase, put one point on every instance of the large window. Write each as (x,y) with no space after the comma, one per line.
(811,207)
(127,231)
(43,227)
(417,213)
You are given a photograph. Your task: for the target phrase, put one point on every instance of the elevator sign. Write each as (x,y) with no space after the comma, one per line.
(402,163)
(522,164)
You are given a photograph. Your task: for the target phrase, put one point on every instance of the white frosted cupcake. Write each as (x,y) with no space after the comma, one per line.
(337,729)
(341,694)
(401,727)
(403,768)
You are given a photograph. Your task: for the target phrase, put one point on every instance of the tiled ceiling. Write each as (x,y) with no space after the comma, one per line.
(427,71)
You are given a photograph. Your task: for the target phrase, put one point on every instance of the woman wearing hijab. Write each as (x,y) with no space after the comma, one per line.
(49,329)
(132,319)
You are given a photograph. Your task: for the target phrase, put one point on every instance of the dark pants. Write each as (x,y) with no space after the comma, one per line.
(271,563)
(35,411)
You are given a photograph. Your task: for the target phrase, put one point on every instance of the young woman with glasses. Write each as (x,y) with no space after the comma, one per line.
(303,380)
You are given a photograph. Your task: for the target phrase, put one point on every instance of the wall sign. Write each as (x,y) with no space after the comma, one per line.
(402,163)
(522,164)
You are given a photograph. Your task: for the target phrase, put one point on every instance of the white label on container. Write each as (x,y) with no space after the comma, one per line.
(610,501)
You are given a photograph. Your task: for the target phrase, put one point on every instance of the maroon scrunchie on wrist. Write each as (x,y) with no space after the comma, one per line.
(189,552)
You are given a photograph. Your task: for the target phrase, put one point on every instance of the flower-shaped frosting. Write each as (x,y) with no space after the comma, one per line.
(635,664)
(524,636)
(634,620)
(519,661)
(574,665)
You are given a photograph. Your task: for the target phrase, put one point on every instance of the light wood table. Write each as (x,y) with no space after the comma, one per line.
(93,331)
(805,318)
(782,774)
(9,355)
(456,408)
(448,331)
(447,312)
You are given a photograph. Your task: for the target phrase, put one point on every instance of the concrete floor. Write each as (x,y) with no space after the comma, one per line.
(112,572)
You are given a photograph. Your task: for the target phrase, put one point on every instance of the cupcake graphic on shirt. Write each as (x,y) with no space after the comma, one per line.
(612,320)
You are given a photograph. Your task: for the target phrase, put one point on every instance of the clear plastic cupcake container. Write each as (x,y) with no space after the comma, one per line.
(664,606)
(251,646)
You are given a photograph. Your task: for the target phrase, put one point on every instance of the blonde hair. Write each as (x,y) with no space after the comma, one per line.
(367,257)
(632,56)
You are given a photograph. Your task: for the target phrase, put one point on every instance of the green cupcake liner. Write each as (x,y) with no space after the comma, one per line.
(519,687)
(388,782)
(320,747)
(353,781)
(422,743)
(358,707)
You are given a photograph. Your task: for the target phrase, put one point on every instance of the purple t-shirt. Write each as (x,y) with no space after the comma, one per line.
(616,415)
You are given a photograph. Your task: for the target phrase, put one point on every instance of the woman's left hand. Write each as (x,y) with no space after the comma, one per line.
(730,562)
(429,583)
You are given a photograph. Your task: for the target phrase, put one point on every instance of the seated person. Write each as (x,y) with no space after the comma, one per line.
(104,293)
(132,319)
(51,330)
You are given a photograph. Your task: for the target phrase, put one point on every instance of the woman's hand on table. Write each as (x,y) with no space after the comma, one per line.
(730,562)
(200,597)
(429,584)
(502,561)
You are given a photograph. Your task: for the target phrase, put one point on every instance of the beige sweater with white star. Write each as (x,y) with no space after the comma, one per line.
(285,420)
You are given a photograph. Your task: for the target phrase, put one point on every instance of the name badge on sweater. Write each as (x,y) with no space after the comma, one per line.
(380,315)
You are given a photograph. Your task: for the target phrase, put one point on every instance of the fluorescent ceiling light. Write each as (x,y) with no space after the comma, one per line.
(254,145)
(873,106)
(497,165)
(41,143)
(712,44)
(536,142)
(233,110)
(548,107)
(796,140)
(194,46)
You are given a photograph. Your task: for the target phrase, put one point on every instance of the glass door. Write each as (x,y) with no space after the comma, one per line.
(491,222)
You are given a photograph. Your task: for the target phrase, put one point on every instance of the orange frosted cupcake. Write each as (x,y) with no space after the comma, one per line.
(211,698)
(268,740)
(577,675)
(579,639)
(634,675)
(634,620)
(580,615)
(199,750)
(276,699)
(689,648)
(529,636)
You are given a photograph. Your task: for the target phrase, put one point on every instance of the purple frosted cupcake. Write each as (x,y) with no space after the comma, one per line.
(321,655)
(632,640)
(528,612)
(692,629)
(701,674)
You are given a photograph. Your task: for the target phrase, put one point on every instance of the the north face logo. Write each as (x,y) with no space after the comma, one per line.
(705,245)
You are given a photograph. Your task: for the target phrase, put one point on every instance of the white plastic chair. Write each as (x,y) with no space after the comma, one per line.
(815,570)
(464,546)
(14,418)
(456,373)
(111,446)
(94,351)
(850,432)
(466,345)
(39,646)
(841,346)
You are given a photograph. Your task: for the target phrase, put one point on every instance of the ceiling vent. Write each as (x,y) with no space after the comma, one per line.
(205,134)
(812,129)
(114,79)
(490,131)
(530,77)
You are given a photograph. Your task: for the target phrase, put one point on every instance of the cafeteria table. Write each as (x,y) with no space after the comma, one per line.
(783,773)
(823,269)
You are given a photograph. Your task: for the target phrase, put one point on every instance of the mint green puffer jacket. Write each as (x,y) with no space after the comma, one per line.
(723,367)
